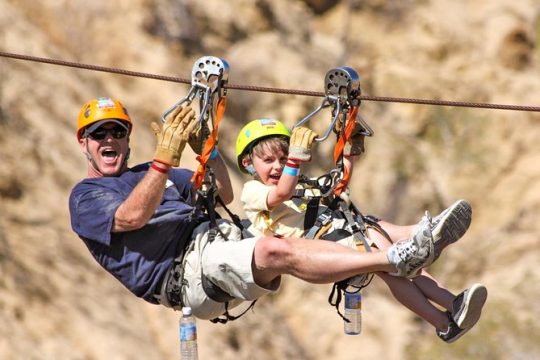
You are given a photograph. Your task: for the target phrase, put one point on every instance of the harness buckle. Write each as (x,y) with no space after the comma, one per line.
(325,218)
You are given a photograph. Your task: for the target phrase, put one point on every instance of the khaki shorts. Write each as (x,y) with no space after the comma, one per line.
(227,263)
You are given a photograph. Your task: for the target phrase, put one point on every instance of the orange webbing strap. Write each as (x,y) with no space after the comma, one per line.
(198,176)
(340,145)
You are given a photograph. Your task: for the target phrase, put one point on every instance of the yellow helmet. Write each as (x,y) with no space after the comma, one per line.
(254,131)
(101,109)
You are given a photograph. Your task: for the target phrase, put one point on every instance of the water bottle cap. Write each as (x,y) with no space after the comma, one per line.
(186,311)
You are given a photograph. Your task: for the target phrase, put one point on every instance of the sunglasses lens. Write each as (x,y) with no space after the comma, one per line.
(117,132)
(98,134)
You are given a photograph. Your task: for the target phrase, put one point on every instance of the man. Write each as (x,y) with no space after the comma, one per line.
(139,224)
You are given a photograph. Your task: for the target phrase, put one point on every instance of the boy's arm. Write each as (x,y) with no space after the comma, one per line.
(354,147)
(299,151)
(286,185)
(223,181)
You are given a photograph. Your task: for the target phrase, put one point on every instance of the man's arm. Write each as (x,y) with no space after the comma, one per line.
(145,198)
(143,201)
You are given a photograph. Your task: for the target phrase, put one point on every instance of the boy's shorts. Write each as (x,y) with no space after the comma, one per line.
(226,263)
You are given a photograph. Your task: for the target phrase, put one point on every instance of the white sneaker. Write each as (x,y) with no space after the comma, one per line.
(450,225)
(409,256)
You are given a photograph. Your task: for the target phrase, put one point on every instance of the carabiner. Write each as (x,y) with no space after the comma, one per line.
(329,182)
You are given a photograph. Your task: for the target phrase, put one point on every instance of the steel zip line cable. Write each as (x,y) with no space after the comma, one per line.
(269,89)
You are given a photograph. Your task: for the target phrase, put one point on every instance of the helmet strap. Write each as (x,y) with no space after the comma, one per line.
(93,163)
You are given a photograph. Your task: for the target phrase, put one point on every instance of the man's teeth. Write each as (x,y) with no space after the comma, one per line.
(109,153)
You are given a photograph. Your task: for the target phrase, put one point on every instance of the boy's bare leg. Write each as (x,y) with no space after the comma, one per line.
(426,283)
(408,294)
(433,290)
(396,232)
(412,296)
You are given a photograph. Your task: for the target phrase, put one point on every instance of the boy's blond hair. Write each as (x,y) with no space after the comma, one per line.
(271,144)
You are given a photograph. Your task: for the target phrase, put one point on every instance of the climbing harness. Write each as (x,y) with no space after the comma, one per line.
(342,90)
(208,78)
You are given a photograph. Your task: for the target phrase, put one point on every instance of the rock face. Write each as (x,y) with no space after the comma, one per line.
(57,303)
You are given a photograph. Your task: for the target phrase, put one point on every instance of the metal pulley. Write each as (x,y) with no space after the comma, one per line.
(209,76)
(342,90)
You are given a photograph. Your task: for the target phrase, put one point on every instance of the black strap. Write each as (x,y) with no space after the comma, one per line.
(228,317)
(235,218)
(336,235)
(373,222)
(336,292)
(312,211)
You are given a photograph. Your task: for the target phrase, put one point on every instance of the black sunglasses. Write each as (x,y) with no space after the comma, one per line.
(117,132)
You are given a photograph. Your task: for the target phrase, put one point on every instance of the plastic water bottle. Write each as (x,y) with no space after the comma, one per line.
(188,335)
(353,313)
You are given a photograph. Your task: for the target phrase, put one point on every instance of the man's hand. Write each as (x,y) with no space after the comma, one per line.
(300,144)
(172,138)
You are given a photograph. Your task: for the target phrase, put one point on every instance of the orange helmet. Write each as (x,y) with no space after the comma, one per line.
(101,109)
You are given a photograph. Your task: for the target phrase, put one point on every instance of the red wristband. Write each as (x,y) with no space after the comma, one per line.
(292,164)
(160,169)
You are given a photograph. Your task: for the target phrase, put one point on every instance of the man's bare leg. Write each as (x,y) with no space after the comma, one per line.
(313,261)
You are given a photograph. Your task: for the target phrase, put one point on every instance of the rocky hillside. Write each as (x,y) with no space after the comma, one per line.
(57,303)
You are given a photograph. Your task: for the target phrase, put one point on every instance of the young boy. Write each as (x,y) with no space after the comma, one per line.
(266,149)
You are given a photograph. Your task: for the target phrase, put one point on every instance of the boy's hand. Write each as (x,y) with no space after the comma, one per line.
(173,136)
(197,139)
(355,145)
(300,144)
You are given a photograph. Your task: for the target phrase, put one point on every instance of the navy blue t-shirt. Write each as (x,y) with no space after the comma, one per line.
(138,258)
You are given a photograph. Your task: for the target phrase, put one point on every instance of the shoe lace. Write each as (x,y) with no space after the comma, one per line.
(432,221)
(407,252)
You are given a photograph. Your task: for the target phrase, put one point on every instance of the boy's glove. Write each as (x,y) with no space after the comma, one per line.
(196,140)
(355,144)
(172,138)
(300,144)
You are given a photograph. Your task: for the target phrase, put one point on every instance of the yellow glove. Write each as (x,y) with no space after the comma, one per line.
(300,144)
(173,136)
